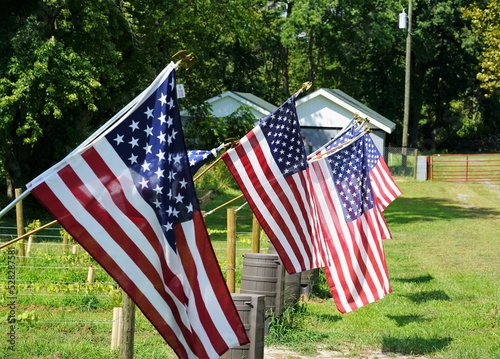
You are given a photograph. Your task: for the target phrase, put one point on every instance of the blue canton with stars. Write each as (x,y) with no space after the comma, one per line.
(197,158)
(350,173)
(151,143)
(353,131)
(282,132)
(372,153)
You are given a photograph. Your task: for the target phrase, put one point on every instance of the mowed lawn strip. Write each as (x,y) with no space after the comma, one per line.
(444,265)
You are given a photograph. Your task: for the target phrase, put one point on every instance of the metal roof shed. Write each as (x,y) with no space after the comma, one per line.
(228,102)
(324,112)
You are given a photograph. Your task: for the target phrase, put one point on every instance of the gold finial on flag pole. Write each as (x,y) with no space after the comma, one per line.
(358,118)
(185,57)
(305,86)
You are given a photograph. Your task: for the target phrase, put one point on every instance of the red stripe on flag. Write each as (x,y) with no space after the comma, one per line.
(44,193)
(385,187)
(345,275)
(255,175)
(293,190)
(113,186)
(113,228)
(361,255)
(364,238)
(213,271)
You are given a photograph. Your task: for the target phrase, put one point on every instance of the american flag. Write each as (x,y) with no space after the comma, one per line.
(348,132)
(384,187)
(197,158)
(128,198)
(269,165)
(348,212)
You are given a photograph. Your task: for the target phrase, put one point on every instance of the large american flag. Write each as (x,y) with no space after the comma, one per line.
(269,165)
(349,212)
(128,198)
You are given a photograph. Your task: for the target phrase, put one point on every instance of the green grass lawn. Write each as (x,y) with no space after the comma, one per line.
(443,260)
(444,264)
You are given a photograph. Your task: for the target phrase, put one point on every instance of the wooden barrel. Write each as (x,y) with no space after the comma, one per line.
(251,309)
(263,274)
(292,284)
(308,280)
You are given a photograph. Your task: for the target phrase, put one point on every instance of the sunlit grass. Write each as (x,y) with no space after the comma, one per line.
(443,262)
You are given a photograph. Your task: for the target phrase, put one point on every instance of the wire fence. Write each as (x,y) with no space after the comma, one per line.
(61,287)
(401,160)
(51,268)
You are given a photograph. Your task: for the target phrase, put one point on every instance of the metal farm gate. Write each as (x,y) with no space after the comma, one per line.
(465,168)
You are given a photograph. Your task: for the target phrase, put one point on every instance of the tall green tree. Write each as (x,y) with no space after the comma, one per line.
(353,46)
(66,66)
(223,37)
(446,92)
(485,18)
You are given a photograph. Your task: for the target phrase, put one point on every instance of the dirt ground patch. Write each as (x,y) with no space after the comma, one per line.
(282,353)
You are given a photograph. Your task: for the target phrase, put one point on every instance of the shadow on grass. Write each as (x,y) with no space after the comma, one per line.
(425,296)
(402,320)
(416,280)
(415,345)
(330,318)
(405,210)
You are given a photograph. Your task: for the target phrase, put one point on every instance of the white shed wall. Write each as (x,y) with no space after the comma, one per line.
(320,112)
(316,137)
(227,105)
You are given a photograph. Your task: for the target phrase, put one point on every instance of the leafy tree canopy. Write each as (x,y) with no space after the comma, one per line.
(67,66)
(485,17)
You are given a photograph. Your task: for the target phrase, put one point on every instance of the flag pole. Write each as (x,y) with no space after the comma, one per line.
(339,147)
(305,86)
(206,169)
(224,204)
(212,164)
(14,202)
(357,120)
(3,245)
(128,108)
(186,58)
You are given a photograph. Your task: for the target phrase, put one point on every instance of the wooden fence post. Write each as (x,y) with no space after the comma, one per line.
(128,327)
(116,329)
(255,235)
(20,227)
(28,249)
(65,241)
(91,274)
(231,249)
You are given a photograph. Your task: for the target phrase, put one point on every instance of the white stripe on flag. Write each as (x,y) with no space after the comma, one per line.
(275,201)
(120,257)
(209,296)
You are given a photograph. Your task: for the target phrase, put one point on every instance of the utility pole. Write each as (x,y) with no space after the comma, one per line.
(406,24)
